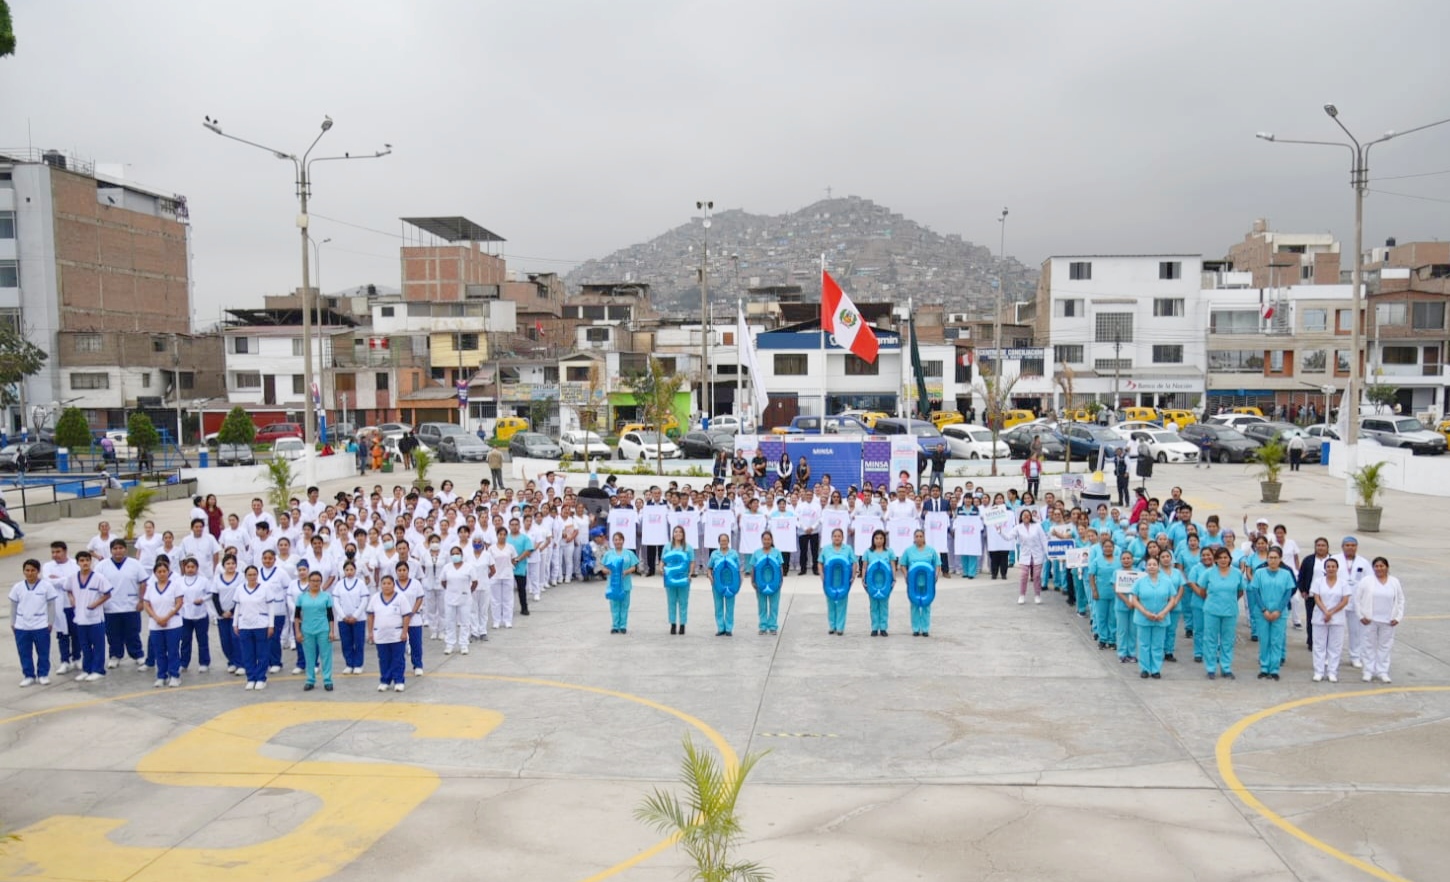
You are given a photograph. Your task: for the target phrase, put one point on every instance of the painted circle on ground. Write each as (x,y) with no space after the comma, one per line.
(727,754)
(1224,755)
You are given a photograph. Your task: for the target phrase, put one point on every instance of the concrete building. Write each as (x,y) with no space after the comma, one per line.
(1275,259)
(95,271)
(1406,326)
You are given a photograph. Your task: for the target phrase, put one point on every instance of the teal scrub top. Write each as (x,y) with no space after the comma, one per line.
(1154,595)
(522,543)
(870,557)
(844,551)
(1274,588)
(761,554)
(314,612)
(914,555)
(1102,569)
(626,559)
(1223,591)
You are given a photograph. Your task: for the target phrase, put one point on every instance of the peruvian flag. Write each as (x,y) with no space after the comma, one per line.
(840,317)
(1266,307)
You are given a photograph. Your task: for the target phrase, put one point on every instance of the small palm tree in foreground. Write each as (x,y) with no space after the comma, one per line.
(704,823)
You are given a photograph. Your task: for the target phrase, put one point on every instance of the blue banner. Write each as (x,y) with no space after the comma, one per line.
(838,457)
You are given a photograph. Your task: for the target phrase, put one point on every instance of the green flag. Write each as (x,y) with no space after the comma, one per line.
(923,403)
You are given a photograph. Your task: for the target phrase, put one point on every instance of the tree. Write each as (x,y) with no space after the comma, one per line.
(1381,395)
(141,434)
(19,358)
(72,431)
(237,428)
(655,389)
(705,823)
(996,392)
(7,31)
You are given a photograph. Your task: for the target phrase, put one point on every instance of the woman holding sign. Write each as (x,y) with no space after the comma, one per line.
(724,575)
(766,570)
(837,562)
(620,565)
(918,566)
(1123,581)
(676,563)
(878,574)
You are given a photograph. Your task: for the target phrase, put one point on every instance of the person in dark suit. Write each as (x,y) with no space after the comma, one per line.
(1311,568)
(937,503)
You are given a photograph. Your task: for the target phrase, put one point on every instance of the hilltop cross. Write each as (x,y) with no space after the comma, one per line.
(828,192)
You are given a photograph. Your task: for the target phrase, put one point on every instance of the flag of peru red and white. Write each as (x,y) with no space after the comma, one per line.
(1266,307)
(840,317)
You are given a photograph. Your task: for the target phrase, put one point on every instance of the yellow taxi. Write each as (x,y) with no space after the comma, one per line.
(1444,428)
(1178,418)
(1016,417)
(671,425)
(946,418)
(1251,411)
(1079,416)
(507,427)
(1140,414)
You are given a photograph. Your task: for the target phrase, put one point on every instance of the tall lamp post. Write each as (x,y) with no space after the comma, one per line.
(1359,180)
(303,168)
(997,313)
(706,206)
(321,347)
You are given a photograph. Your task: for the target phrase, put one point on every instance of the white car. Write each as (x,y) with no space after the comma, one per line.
(1234,420)
(390,447)
(289,448)
(726,422)
(121,439)
(1167,446)
(575,442)
(1319,431)
(1128,427)
(647,446)
(973,442)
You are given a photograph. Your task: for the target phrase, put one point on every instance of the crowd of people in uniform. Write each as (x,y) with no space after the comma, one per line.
(381,568)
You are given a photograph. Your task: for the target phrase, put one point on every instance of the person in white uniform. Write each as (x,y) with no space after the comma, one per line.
(1381,602)
(1331,597)
(459,581)
(1354,569)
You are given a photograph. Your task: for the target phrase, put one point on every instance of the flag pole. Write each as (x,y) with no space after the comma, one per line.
(825,362)
(907,411)
(741,410)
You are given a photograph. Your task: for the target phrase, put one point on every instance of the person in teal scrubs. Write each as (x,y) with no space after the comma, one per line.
(724,602)
(1153,597)
(1123,613)
(676,562)
(836,607)
(1223,585)
(915,554)
(767,595)
(1196,594)
(1167,567)
(620,564)
(1272,587)
(1100,570)
(316,631)
(884,561)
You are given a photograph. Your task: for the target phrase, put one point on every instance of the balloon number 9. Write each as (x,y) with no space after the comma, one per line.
(878,580)
(767,576)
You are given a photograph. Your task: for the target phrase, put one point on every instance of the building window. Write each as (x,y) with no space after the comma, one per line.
(1069,308)
(1170,269)
(380,379)
(437,373)
(9,274)
(1279,362)
(1114,327)
(296,347)
(592,313)
(551,373)
(1315,319)
(158,344)
(596,335)
(88,342)
(1068,353)
(90,381)
(1080,271)
(1429,317)
(668,364)
(298,386)
(246,380)
(241,346)
(860,367)
(1314,361)
(465,342)
(1306,273)
(1400,355)
(1234,361)
(1391,314)
(385,312)
(1234,321)
(1341,362)
(931,368)
(1030,367)
(1342,323)
(1168,354)
(146,380)
(188,380)
(620,313)
(577,373)
(7,225)
(1168,307)
(790,365)
(1108,365)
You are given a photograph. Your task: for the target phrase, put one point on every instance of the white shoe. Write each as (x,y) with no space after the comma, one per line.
(464,650)
(140,665)
(112,663)
(382,687)
(296,670)
(92,677)
(231,669)
(158,684)
(174,682)
(250,685)
(1367,677)
(1357,663)
(81,678)
(398,687)
(1021,600)
(276,669)
(417,672)
(1333,679)
(509,625)
(1037,600)
(261,684)
(447,650)
(26,682)
(1318,678)
(497,625)
(1384,678)
(44,681)
(239,672)
(62,668)
(202,669)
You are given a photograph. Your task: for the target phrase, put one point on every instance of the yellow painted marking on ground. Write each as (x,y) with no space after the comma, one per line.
(1224,753)
(1426,618)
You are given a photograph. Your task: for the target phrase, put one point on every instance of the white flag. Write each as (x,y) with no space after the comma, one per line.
(758,396)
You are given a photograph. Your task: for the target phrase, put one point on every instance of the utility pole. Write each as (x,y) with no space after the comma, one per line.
(997,313)
(1117,370)
(705,205)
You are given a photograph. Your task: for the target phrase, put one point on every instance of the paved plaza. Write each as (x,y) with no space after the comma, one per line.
(1004,747)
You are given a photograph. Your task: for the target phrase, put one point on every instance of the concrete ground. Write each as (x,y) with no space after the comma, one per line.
(1004,747)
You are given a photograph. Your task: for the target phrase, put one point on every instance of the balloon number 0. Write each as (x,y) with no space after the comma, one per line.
(836,578)
(878,580)
(727,577)
(921,584)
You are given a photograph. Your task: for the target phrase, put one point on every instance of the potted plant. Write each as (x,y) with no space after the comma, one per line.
(422,462)
(1270,459)
(280,478)
(1369,484)
(137,505)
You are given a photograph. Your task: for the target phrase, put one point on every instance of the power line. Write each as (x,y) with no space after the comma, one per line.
(1419,175)
(1410,196)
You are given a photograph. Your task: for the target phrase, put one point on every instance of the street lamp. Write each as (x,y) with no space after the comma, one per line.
(997,319)
(303,169)
(705,206)
(1359,180)
(321,348)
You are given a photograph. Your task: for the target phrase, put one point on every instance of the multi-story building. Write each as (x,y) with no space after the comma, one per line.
(1406,326)
(95,271)
(1276,259)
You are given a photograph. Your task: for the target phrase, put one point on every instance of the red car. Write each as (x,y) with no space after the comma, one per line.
(268,434)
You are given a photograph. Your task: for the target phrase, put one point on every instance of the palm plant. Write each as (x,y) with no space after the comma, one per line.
(280,480)
(136,504)
(704,823)
(422,462)
(1369,484)
(1270,459)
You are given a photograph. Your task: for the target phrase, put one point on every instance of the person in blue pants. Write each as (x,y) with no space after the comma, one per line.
(915,554)
(388,614)
(123,610)
(350,595)
(252,623)
(1251,563)
(163,606)
(1168,571)
(676,562)
(1123,614)
(620,564)
(1102,571)
(1153,597)
(1223,586)
(34,611)
(766,571)
(1195,596)
(877,570)
(1272,587)
(414,593)
(837,595)
(223,593)
(725,584)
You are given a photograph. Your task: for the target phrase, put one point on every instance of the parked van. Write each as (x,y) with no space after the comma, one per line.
(1178,418)
(1016,417)
(507,427)
(1141,414)
(1251,411)
(928,439)
(831,425)
(943,418)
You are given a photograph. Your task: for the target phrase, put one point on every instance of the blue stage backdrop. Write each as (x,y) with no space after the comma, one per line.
(838,457)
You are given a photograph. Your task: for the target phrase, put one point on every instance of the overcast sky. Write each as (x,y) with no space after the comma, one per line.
(575,128)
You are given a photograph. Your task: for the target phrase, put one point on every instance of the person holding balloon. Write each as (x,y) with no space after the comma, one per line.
(918,564)
(766,568)
(837,562)
(676,563)
(877,569)
(724,574)
(620,564)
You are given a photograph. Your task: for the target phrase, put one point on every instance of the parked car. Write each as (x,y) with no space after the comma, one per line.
(1016,417)
(644,444)
(1320,432)
(726,422)
(1404,432)
(869,417)
(1264,432)
(831,425)
(573,443)
(1177,419)
(432,433)
(38,455)
(534,445)
(1225,443)
(1084,439)
(973,442)
(1166,445)
(235,455)
(390,447)
(339,431)
(1234,420)
(1126,429)
(928,439)
(1019,441)
(289,447)
(386,429)
(275,431)
(704,445)
(943,418)
(462,447)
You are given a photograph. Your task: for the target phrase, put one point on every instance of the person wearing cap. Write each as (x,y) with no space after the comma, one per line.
(1270,590)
